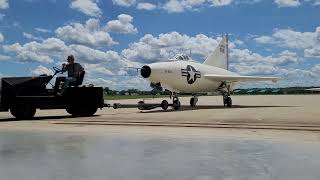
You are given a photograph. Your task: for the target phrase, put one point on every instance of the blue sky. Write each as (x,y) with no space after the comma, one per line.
(268,37)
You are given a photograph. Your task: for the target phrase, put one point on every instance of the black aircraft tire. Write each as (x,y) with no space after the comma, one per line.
(192,102)
(229,102)
(176,104)
(164,104)
(23,111)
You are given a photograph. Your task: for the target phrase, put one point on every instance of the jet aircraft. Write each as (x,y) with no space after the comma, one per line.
(184,75)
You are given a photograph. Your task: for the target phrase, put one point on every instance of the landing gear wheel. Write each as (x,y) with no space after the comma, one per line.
(164,104)
(23,111)
(176,104)
(193,101)
(228,102)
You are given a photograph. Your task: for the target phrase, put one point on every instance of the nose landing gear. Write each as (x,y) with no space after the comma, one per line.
(224,89)
(176,103)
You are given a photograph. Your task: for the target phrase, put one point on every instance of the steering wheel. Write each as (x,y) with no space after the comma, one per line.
(57,69)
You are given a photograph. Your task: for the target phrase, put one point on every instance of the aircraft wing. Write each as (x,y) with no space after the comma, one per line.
(238,78)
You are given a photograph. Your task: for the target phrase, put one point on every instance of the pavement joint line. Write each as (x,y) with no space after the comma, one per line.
(199,126)
(198,123)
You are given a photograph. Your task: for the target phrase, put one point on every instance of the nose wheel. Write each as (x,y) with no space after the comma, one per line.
(176,103)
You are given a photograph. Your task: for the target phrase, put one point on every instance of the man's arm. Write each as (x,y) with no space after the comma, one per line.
(64,67)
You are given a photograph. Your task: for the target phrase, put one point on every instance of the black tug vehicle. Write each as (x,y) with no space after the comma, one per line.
(24,95)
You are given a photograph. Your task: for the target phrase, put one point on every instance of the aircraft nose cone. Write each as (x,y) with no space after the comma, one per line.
(145,71)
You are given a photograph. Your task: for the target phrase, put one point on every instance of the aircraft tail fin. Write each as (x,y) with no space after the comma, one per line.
(219,57)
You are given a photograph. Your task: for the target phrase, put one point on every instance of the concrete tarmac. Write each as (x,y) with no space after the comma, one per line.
(261,137)
(287,112)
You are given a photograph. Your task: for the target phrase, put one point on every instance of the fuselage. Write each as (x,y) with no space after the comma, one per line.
(184,76)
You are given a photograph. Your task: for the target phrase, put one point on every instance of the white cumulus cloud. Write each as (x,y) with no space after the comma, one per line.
(41,70)
(177,6)
(152,49)
(90,34)
(1,37)
(31,36)
(42,30)
(97,69)
(146,6)
(221,2)
(287,3)
(43,52)
(246,56)
(122,25)
(125,3)
(88,7)
(87,54)
(309,42)
(4,57)
(285,57)
(264,39)
(55,50)
(4,4)
(99,82)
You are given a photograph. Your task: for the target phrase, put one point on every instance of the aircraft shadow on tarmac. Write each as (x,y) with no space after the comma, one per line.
(199,107)
(45,118)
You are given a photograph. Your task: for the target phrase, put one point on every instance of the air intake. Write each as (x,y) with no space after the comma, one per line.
(145,71)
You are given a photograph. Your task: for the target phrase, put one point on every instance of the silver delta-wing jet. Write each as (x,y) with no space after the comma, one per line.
(183,75)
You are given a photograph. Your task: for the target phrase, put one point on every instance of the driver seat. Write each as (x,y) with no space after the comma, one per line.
(79,80)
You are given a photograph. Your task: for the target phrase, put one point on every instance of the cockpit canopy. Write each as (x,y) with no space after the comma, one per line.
(181,57)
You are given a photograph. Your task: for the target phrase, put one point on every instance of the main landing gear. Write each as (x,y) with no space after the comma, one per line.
(193,101)
(224,89)
(227,101)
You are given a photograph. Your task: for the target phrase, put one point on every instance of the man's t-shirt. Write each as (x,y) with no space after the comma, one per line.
(73,69)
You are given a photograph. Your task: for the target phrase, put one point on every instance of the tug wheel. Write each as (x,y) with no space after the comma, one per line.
(23,111)
(82,111)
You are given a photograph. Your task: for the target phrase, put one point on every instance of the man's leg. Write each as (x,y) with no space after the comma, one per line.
(66,83)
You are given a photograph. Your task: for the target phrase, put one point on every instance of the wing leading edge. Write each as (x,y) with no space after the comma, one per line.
(238,78)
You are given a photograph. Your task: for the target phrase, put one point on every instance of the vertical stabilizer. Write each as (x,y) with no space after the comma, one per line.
(219,57)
